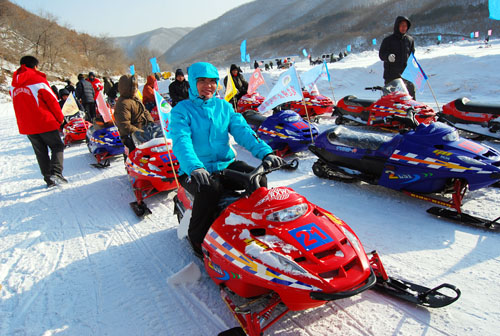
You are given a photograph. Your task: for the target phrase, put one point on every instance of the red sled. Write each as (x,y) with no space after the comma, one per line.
(317,105)
(75,129)
(271,251)
(395,102)
(151,168)
(475,117)
(250,102)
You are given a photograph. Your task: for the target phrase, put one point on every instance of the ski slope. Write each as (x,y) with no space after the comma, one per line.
(75,260)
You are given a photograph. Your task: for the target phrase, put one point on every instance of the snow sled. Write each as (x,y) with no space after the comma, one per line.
(317,105)
(75,128)
(284,131)
(104,144)
(271,251)
(429,160)
(473,117)
(151,167)
(395,101)
(250,102)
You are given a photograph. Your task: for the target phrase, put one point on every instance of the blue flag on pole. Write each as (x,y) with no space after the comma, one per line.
(248,58)
(494,7)
(164,109)
(374,41)
(243,50)
(132,70)
(311,77)
(414,72)
(327,72)
(349,48)
(304,52)
(154,65)
(286,89)
(439,37)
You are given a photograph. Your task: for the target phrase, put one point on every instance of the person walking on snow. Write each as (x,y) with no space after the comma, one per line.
(39,117)
(395,50)
(200,127)
(179,89)
(85,94)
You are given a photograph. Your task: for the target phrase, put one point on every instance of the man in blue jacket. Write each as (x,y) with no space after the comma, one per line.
(200,128)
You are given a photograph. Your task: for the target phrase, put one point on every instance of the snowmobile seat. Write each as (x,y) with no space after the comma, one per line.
(359,137)
(358,101)
(253,117)
(464,104)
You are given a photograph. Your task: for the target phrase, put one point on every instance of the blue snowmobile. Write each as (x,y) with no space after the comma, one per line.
(422,162)
(285,131)
(104,144)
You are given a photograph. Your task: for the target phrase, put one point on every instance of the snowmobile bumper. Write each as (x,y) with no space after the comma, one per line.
(370,282)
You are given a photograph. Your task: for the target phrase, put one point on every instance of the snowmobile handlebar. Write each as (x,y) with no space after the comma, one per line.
(375,88)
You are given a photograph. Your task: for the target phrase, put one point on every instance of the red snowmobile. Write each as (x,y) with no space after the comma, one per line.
(151,167)
(395,101)
(250,102)
(75,128)
(272,251)
(317,105)
(473,117)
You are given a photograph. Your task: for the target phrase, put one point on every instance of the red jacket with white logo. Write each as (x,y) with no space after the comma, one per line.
(37,108)
(97,85)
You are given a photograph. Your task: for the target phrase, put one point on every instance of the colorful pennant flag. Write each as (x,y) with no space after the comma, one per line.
(439,37)
(476,34)
(414,72)
(489,32)
(349,48)
(286,89)
(103,108)
(304,52)
(248,58)
(494,7)
(164,109)
(231,90)
(70,106)
(255,81)
(132,70)
(311,77)
(374,41)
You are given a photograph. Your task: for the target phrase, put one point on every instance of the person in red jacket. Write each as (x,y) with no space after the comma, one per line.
(39,116)
(96,84)
(148,93)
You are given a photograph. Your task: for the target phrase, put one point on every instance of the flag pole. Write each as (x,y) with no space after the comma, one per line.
(432,91)
(305,106)
(169,152)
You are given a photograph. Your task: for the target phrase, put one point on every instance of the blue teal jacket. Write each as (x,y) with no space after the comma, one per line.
(200,128)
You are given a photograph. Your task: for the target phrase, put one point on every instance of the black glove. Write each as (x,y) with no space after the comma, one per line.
(201,177)
(272,161)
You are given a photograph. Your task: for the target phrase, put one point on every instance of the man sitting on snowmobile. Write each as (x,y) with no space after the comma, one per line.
(200,128)
(395,50)
(130,113)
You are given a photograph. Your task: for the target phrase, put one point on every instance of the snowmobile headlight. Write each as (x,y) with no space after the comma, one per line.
(286,263)
(470,160)
(352,239)
(288,214)
(453,136)
(159,149)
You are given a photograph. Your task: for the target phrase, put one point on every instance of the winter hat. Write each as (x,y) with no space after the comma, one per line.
(80,76)
(63,92)
(127,86)
(179,72)
(234,67)
(91,74)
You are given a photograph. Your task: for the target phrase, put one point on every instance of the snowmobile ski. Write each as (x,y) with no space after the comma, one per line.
(464,218)
(140,209)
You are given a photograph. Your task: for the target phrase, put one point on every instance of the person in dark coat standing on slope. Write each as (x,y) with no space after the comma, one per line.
(39,117)
(239,82)
(395,50)
(179,89)
(85,94)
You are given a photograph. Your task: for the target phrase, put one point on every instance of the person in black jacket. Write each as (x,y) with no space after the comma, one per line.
(178,89)
(239,82)
(395,50)
(85,94)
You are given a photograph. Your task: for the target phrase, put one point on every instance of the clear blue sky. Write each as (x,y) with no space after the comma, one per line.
(129,17)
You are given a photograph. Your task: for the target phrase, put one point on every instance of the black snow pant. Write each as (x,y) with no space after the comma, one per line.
(90,111)
(41,143)
(206,200)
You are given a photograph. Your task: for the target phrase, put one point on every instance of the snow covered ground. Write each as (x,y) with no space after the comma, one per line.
(75,260)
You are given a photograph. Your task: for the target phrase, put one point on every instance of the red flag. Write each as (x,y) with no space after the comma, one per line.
(256,80)
(103,108)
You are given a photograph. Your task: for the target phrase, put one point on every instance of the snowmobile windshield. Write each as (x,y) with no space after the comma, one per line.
(396,85)
(293,118)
